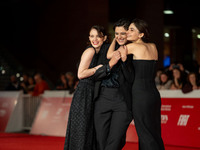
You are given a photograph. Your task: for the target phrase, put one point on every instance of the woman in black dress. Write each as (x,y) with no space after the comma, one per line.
(146,101)
(80,130)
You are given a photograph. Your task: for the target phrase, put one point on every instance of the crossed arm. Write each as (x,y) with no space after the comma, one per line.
(84,71)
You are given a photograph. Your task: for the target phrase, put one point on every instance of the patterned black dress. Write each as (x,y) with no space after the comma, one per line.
(80,133)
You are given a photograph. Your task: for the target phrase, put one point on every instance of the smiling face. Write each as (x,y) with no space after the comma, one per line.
(96,39)
(120,35)
(133,33)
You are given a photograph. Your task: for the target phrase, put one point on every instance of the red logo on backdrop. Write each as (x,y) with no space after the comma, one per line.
(164,119)
(183,120)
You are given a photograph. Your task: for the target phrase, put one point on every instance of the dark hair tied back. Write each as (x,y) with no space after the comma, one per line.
(142,26)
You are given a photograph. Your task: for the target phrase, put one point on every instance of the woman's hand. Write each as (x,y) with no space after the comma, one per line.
(99,66)
(115,58)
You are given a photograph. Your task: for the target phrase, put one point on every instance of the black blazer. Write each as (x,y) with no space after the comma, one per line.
(126,75)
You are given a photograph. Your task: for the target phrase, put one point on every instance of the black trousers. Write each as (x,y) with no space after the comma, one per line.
(111,119)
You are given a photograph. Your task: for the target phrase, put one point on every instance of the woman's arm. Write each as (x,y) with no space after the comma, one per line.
(86,58)
(111,49)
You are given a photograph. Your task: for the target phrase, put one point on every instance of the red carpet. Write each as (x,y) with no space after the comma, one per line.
(19,141)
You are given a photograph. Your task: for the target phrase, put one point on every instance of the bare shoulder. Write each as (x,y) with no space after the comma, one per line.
(89,51)
(130,44)
(133,46)
(141,47)
(153,45)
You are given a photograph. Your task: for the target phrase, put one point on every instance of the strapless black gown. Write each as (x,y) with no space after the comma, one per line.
(146,104)
(80,134)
